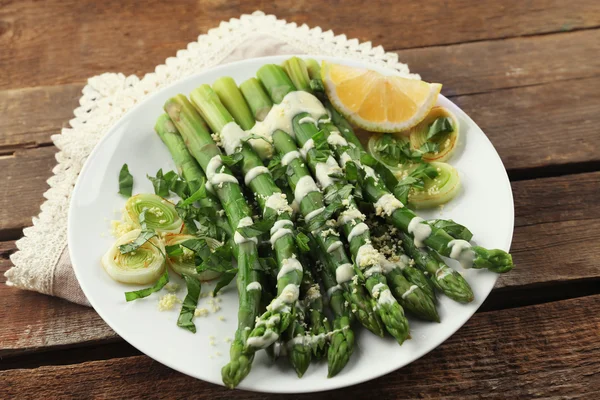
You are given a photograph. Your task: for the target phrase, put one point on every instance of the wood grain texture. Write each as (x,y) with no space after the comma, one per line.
(35,322)
(557,230)
(551,214)
(516,353)
(503,64)
(30,116)
(542,125)
(25,172)
(67,41)
(33,114)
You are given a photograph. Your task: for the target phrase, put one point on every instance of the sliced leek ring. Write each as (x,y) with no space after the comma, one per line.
(446,141)
(377,140)
(437,191)
(185,263)
(143,266)
(160,215)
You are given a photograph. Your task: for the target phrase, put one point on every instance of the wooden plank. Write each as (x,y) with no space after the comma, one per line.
(33,321)
(67,41)
(557,230)
(518,353)
(551,213)
(31,115)
(540,126)
(25,172)
(500,64)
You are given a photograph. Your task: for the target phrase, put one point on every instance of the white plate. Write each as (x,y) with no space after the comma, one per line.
(485,206)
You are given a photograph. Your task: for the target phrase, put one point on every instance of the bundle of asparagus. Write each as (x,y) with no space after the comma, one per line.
(350,238)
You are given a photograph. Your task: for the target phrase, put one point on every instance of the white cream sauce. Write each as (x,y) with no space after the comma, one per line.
(324,170)
(461,251)
(419,230)
(254,172)
(289,157)
(313,214)
(289,265)
(387,204)
(253,286)
(344,273)
(305,185)
(358,230)
(334,246)
(238,238)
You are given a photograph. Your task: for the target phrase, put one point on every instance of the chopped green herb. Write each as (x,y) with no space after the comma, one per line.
(302,242)
(138,294)
(197,195)
(174,250)
(232,159)
(125,181)
(415,179)
(225,279)
(456,230)
(440,125)
(143,237)
(266,264)
(257,228)
(190,302)
(429,147)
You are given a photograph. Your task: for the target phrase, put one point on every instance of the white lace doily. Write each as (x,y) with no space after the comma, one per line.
(108,96)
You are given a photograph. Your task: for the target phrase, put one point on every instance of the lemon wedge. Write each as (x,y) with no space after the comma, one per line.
(377,102)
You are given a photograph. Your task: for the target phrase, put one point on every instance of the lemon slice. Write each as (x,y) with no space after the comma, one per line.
(376,102)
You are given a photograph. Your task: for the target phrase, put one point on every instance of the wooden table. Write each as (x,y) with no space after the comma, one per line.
(527,72)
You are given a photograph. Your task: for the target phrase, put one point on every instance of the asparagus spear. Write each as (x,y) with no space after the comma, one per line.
(341,343)
(311,204)
(258,100)
(199,142)
(299,352)
(187,166)
(444,278)
(425,234)
(369,262)
(280,313)
(326,236)
(476,256)
(318,324)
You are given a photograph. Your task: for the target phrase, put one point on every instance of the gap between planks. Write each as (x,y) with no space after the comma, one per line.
(520,353)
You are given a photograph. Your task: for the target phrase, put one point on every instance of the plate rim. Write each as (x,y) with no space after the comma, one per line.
(275,58)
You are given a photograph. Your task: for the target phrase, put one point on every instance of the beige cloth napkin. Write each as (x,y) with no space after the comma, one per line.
(42,263)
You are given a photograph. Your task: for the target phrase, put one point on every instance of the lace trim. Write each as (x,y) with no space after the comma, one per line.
(108,96)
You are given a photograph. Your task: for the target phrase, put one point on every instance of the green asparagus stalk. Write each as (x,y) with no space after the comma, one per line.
(199,142)
(318,324)
(341,344)
(389,308)
(444,278)
(187,166)
(280,313)
(368,263)
(258,100)
(234,101)
(298,73)
(327,236)
(299,352)
(406,220)
(275,81)
(313,67)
